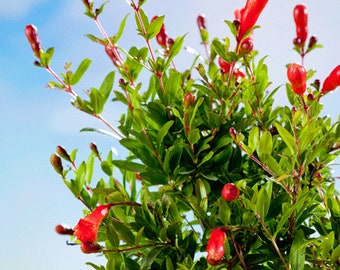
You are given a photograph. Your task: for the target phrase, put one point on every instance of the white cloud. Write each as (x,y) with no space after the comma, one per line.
(10,9)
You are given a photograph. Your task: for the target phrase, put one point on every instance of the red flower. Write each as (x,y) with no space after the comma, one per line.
(332,81)
(248,16)
(301,23)
(33,38)
(87,228)
(296,74)
(215,247)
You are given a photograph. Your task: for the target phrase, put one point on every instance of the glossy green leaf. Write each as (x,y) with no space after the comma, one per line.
(265,147)
(124,233)
(297,252)
(78,74)
(106,86)
(287,138)
(254,138)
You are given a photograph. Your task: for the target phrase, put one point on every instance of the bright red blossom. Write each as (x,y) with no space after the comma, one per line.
(332,81)
(301,23)
(87,228)
(230,192)
(215,246)
(248,16)
(297,75)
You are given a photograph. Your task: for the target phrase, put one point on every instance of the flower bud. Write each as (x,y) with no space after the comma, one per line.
(312,41)
(332,81)
(57,164)
(301,22)
(201,22)
(232,133)
(64,229)
(189,99)
(113,53)
(215,247)
(63,153)
(297,75)
(33,38)
(162,36)
(90,247)
(246,46)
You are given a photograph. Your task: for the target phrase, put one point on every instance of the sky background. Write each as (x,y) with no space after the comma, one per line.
(34,120)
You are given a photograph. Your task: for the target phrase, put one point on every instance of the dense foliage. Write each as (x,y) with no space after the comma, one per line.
(217,177)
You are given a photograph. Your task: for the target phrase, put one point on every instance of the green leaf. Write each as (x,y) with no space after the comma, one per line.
(194,136)
(265,146)
(164,131)
(254,138)
(262,202)
(96,101)
(335,254)
(121,29)
(154,27)
(78,74)
(297,252)
(222,51)
(106,86)
(128,165)
(124,233)
(287,138)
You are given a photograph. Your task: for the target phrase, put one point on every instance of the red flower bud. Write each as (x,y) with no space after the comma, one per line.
(90,247)
(230,192)
(301,22)
(114,55)
(296,74)
(201,22)
(215,247)
(233,133)
(33,38)
(64,229)
(87,228)
(189,99)
(246,46)
(63,153)
(332,81)
(249,15)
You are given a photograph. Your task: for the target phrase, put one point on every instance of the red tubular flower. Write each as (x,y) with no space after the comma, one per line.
(87,228)
(215,247)
(301,23)
(248,16)
(297,74)
(33,38)
(332,81)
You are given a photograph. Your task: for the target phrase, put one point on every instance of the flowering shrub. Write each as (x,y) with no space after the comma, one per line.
(216,178)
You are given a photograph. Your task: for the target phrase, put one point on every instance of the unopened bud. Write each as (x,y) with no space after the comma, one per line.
(64,229)
(33,38)
(63,153)
(57,164)
(232,133)
(312,41)
(201,22)
(90,247)
(189,99)
(113,53)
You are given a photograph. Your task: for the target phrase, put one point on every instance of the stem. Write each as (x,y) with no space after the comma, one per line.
(68,88)
(272,240)
(137,247)
(102,119)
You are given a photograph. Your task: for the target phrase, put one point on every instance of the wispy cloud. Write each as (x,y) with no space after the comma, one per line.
(11,9)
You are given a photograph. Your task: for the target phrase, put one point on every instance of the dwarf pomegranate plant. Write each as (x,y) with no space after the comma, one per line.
(216,176)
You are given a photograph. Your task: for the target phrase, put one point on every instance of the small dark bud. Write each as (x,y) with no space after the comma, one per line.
(233,133)
(64,229)
(317,84)
(310,97)
(57,164)
(312,41)
(63,153)
(90,247)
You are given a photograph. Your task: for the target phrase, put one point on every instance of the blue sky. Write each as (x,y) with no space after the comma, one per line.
(34,120)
